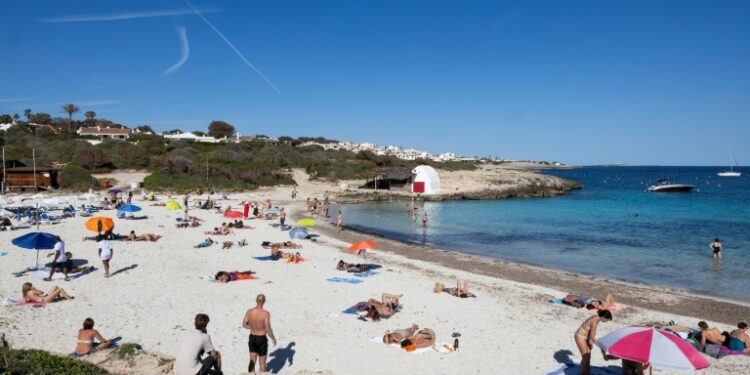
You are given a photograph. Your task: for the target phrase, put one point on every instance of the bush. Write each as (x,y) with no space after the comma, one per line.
(27,361)
(128,350)
(73,177)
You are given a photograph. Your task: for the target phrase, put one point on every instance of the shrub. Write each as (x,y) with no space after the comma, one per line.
(27,361)
(128,350)
(76,178)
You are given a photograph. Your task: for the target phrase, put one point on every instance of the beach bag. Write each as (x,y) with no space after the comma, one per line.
(439,287)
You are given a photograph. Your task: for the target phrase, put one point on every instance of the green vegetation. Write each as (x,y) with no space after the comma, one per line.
(39,362)
(127,350)
(180,165)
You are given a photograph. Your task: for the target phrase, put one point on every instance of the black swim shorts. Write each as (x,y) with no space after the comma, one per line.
(258,344)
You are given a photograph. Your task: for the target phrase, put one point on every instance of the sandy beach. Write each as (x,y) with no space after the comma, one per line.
(158,287)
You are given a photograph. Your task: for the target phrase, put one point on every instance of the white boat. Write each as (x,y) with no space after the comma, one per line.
(664,186)
(731,172)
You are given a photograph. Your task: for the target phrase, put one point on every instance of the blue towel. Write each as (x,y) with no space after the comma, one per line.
(351,310)
(558,301)
(265,258)
(343,280)
(366,274)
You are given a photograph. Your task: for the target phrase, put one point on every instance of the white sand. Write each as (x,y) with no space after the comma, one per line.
(509,329)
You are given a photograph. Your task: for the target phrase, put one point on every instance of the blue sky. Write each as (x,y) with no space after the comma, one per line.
(650,82)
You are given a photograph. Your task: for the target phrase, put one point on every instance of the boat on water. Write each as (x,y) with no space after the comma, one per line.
(664,186)
(731,172)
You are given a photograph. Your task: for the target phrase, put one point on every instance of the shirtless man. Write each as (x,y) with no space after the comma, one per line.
(710,335)
(258,321)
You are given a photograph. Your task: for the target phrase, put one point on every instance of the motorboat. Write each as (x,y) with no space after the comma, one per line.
(664,186)
(731,172)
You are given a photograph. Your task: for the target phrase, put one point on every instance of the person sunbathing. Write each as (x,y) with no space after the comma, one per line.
(225,230)
(206,243)
(351,267)
(384,308)
(225,277)
(296,258)
(399,335)
(70,268)
(86,337)
(144,237)
(582,300)
(34,295)
(424,338)
(739,339)
(461,290)
(710,335)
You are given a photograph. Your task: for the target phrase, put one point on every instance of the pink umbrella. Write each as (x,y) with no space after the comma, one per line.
(660,348)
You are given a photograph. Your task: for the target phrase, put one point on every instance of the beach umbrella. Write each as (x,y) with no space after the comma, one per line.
(306,222)
(298,233)
(129,208)
(362,245)
(114,191)
(100,224)
(36,241)
(234,214)
(660,348)
(173,206)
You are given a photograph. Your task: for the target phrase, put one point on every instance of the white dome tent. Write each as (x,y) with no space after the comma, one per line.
(425,180)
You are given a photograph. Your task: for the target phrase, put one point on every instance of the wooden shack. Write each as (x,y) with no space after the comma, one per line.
(22,178)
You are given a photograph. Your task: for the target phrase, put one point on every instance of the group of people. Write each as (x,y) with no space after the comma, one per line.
(737,340)
(196,354)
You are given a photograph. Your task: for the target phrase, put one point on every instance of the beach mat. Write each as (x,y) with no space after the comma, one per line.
(366,274)
(343,280)
(13,302)
(265,258)
(42,274)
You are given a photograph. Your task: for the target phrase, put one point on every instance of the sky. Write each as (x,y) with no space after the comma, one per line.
(582,82)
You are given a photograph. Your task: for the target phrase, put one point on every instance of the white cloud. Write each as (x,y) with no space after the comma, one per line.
(124,16)
(184,51)
(231,45)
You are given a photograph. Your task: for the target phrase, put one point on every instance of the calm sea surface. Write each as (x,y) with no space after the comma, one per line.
(596,230)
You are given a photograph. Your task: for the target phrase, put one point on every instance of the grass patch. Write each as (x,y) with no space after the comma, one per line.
(30,361)
(127,350)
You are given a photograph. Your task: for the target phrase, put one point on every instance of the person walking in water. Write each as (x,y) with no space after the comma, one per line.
(339,221)
(716,247)
(424,219)
(258,321)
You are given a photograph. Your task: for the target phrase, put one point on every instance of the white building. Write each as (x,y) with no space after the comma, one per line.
(104,133)
(191,137)
(425,180)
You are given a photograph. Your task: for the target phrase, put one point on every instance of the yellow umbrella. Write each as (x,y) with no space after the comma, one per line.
(173,206)
(306,222)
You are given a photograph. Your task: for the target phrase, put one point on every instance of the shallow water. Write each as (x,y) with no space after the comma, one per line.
(611,228)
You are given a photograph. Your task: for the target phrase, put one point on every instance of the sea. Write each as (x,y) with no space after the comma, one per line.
(612,228)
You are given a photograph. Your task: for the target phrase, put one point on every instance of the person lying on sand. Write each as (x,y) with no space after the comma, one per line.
(411,338)
(225,229)
(739,339)
(461,290)
(282,245)
(34,295)
(206,243)
(296,258)
(144,237)
(227,245)
(86,337)
(384,308)
(158,204)
(226,277)
(399,335)
(70,268)
(710,335)
(351,267)
(582,300)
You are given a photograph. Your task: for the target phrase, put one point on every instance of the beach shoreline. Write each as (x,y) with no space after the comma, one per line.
(650,296)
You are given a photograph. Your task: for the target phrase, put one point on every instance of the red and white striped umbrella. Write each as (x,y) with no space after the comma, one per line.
(660,348)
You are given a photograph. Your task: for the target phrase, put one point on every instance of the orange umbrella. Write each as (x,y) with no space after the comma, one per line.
(362,245)
(100,224)
(234,214)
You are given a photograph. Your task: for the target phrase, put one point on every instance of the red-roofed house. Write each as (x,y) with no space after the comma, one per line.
(102,133)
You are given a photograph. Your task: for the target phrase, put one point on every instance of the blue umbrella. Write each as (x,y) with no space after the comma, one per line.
(36,241)
(298,233)
(129,208)
(114,191)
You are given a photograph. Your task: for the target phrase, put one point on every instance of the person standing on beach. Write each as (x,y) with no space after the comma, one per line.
(105,252)
(258,321)
(196,343)
(60,259)
(716,247)
(339,221)
(130,196)
(185,200)
(282,217)
(585,338)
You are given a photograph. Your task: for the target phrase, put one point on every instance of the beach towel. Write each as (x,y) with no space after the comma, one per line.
(13,302)
(441,347)
(42,274)
(365,274)
(265,258)
(558,302)
(3,253)
(344,280)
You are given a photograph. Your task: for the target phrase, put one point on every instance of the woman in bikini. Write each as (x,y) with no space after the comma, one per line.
(144,237)
(385,307)
(585,338)
(34,295)
(88,338)
(225,277)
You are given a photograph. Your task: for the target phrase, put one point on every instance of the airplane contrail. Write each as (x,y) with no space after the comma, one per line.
(123,16)
(229,43)
(184,51)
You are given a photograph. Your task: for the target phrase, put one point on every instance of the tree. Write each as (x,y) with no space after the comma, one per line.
(16,116)
(220,129)
(90,116)
(70,109)
(6,119)
(286,140)
(41,118)
(89,157)
(27,113)
(145,129)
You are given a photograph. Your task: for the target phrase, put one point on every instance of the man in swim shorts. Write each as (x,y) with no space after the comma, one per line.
(258,321)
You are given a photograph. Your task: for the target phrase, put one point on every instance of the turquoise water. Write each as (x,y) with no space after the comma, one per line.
(596,230)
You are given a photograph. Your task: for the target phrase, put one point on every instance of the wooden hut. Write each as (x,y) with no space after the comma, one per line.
(22,178)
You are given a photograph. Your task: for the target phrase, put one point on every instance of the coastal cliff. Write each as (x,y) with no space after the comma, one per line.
(486,182)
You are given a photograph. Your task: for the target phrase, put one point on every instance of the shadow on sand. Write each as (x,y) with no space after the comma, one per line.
(569,367)
(124,269)
(279,357)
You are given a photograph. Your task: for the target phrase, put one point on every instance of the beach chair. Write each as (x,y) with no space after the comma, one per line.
(46,219)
